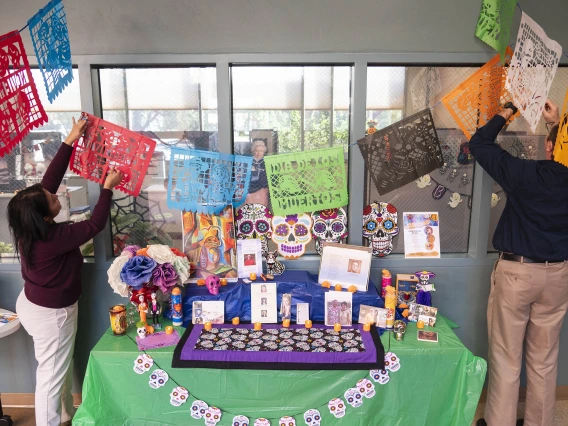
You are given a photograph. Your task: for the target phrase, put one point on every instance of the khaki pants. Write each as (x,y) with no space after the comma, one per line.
(527,305)
(53,331)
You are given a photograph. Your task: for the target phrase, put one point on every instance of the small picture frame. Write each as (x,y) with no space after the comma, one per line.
(212,311)
(373,315)
(302,313)
(427,336)
(422,313)
(249,257)
(406,288)
(263,303)
(346,265)
(338,308)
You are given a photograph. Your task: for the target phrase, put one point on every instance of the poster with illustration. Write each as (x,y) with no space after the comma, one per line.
(338,308)
(421,234)
(210,245)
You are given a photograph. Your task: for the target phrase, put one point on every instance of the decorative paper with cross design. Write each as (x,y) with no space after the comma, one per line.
(20,107)
(106,145)
(475,101)
(307,181)
(532,70)
(561,146)
(206,181)
(48,30)
(402,152)
(494,24)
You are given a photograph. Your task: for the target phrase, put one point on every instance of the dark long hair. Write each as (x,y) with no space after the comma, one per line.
(26,213)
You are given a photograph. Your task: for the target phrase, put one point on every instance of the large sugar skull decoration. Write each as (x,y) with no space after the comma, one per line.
(354,397)
(337,407)
(213,283)
(253,222)
(329,226)
(241,421)
(198,409)
(212,416)
(312,417)
(380,225)
(292,233)
(287,421)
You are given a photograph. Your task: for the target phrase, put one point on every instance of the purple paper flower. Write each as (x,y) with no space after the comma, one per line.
(165,276)
(137,271)
(130,251)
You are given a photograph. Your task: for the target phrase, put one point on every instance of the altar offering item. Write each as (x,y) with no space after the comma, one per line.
(142,307)
(420,324)
(345,265)
(338,308)
(302,312)
(286,322)
(390,297)
(149,329)
(308,324)
(367,327)
(117,315)
(390,318)
(424,313)
(169,329)
(223,281)
(252,276)
(406,288)
(249,257)
(337,327)
(338,287)
(386,280)
(263,303)
(258,326)
(326,284)
(175,300)
(236,321)
(155,309)
(212,311)
(286,306)
(213,283)
(201,282)
(399,328)
(141,330)
(427,336)
(352,289)
(207,326)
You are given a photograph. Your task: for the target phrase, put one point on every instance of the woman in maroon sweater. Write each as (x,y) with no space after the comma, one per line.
(51,267)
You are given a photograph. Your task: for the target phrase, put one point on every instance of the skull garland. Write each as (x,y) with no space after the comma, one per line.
(143,363)
(380,376)
(292,233)
(212,416)
(213,283)
(178,396)
(337,407)
(158,378)
(253,222)
(354,397)
(198,409)
(262,422)
(392,362)
(287,421)
(241,421)
(329,226)
(312,417)
(366,388)
(380,225)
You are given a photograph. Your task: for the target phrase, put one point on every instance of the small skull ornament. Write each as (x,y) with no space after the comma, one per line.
(380,376)
(366,388)
(158,378)
(287,421)
(392,362)
(178,396)
(380,225)
(337,407)
(253,222)
(241,421)
(143,363)
(329,226)
(312,417)
(292,233)
(354,397)
(141,331)
(213,283)
(262,422)
(198,409)
(212,416)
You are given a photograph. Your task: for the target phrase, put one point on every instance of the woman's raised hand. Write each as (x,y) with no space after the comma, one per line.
(114,177)
(77,131)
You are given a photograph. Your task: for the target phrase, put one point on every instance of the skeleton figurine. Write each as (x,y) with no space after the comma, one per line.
(155,309)
(444,168)
(464,180)
(273,266)
(452,175)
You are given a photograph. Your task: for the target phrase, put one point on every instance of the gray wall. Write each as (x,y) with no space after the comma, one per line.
(437,31)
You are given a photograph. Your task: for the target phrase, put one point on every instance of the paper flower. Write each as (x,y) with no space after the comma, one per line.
(329,214)
(137,271)
(130,251)
(182,267)
(177,252)
(119,286)
(165,277)
(367,210)
(161,253)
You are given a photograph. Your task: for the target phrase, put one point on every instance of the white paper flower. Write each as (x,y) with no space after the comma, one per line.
(119,286)
(161,253)
(181,265)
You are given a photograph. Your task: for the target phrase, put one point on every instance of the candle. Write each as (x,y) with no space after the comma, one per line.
(207,326)
(337,287)
(223,281)
(236,321)
(337,326)
(258,326)
(252,276)
(420,324)
(286,322)
(308,324)
(367,327)
(326,284)
(169,329)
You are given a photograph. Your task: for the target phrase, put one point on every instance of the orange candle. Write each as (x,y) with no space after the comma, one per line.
(169,329)
(326,284)
(308,324)
(236,321)
(420,324)
(286,322)
(258,326)
(338,287)
(337,326)
(223,281)
(367,327)
(207,326)
(252,276)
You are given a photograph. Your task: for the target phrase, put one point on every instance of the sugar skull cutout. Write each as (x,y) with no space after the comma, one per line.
(287,421)
(380,225)
(336,407)
(329,226)
(366,388)
(178,396)
(392,362)
(380,376)
(254,222)
(241,421)
(354,397)
(198,409)
(292,233)
(213,283)
(158,378)
(143,363)
(212,416)
(262,422)
(312,417)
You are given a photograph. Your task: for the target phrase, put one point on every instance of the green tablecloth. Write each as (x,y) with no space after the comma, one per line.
(438,384)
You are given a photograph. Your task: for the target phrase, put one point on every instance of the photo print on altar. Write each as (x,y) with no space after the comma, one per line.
(208,311)
(373,315)
(338,308)
(249,255)
(346,265)
(263,303)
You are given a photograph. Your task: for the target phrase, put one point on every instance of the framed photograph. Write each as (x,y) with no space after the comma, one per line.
(406,288)
(421,312)
(373,315)
(338,308)
(427,336)
(263,305)
(208,311)
(422,234)
(249,257)
(302,313)
(346,265)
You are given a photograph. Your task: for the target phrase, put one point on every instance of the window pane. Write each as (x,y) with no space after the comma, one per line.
(397,92)
(27,162)
(175,107)
(290,109)
(521,142)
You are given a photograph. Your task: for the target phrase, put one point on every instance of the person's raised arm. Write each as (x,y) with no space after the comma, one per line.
(58,166)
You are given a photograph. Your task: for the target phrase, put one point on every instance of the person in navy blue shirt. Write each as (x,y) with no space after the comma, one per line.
(529,283)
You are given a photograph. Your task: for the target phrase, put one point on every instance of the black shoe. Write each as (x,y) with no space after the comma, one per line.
(481,422)
(520,422)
